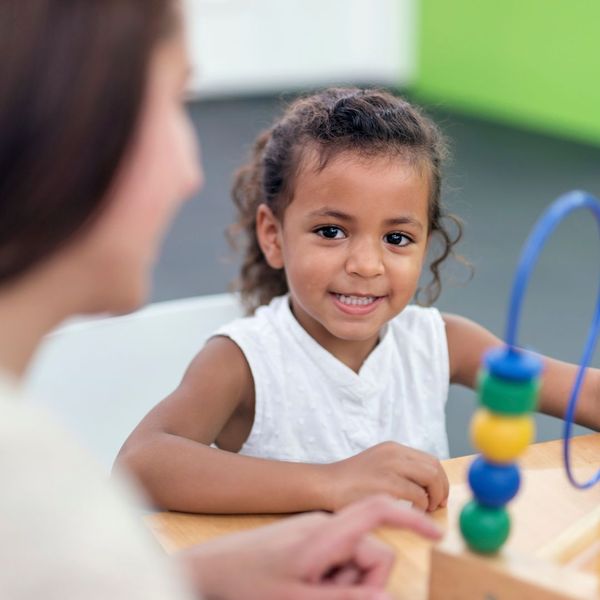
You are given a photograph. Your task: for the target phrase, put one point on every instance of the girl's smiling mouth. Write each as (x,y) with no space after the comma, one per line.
(356,304)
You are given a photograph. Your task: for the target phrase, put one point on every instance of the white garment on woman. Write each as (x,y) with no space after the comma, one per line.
(66,533)
(310,407)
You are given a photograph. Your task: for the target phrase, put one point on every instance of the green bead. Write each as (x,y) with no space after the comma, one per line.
(507,397)
(485,529)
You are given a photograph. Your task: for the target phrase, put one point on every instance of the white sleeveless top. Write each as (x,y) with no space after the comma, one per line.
(310,407)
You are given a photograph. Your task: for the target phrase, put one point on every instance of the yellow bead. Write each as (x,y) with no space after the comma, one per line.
(501,438)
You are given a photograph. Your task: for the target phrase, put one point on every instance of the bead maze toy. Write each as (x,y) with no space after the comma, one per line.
(475,567)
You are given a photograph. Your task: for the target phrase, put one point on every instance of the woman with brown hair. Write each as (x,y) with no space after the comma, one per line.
(96,155)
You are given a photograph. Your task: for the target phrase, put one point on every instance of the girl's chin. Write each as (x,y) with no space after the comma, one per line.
(354,334)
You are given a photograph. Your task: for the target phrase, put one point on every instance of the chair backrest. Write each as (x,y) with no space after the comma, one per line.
(99,377)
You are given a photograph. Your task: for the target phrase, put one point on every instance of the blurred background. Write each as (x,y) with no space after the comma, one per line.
(514,85)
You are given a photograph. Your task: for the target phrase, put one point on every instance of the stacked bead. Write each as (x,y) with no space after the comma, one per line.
(501,430)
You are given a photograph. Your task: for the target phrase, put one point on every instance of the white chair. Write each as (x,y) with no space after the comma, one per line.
(99,377)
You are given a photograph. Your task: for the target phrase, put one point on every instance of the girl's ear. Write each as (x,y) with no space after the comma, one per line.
(268,232)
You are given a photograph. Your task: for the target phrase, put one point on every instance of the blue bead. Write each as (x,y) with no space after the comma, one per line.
(512,364)
(493,485)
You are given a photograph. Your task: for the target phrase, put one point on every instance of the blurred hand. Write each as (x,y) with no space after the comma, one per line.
(393,469)
(315,556)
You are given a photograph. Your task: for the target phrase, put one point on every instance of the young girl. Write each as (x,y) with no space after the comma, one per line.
(336,387)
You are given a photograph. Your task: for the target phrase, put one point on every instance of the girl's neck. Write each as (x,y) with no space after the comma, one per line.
(352,353)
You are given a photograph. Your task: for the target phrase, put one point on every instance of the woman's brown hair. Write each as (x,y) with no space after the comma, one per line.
(364,121)
(72,84)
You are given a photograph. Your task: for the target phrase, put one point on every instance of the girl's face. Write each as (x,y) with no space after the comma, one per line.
(161,169)
(352,242)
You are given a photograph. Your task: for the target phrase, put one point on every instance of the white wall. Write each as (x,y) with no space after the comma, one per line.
(249,46)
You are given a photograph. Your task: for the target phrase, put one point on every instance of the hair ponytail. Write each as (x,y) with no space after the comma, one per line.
(258,282)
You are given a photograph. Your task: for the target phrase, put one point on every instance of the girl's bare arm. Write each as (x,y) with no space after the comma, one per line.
(170,450)
(468,341)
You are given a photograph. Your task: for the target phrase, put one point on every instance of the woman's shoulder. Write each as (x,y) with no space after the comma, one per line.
(57,500)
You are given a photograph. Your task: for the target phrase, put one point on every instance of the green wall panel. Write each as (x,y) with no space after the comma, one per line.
(531,62)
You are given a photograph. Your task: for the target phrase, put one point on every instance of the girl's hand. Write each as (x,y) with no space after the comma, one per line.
(315,556)
(389,468)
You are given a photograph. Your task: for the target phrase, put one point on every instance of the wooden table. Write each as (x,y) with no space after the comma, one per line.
(545,506)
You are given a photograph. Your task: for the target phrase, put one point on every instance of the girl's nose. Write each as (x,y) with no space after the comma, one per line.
(365,259)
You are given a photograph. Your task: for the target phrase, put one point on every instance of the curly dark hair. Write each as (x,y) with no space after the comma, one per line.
(369,122)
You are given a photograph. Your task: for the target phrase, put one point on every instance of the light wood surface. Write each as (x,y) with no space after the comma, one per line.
(458,574)
(545,507)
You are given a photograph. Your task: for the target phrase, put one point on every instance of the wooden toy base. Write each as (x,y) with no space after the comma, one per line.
(568,568)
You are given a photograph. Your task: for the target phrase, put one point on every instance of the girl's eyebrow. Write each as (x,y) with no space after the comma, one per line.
(336,214)
(404,221)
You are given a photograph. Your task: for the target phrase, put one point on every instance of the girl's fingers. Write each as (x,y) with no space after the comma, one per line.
(414,493)
(431,478)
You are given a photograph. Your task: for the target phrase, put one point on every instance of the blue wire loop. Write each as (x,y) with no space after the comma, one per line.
(544,227)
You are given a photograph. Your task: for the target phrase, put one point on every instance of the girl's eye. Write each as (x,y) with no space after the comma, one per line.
(330,232)
(397,239)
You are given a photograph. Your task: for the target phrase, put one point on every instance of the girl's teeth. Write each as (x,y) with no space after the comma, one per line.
(356,300)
